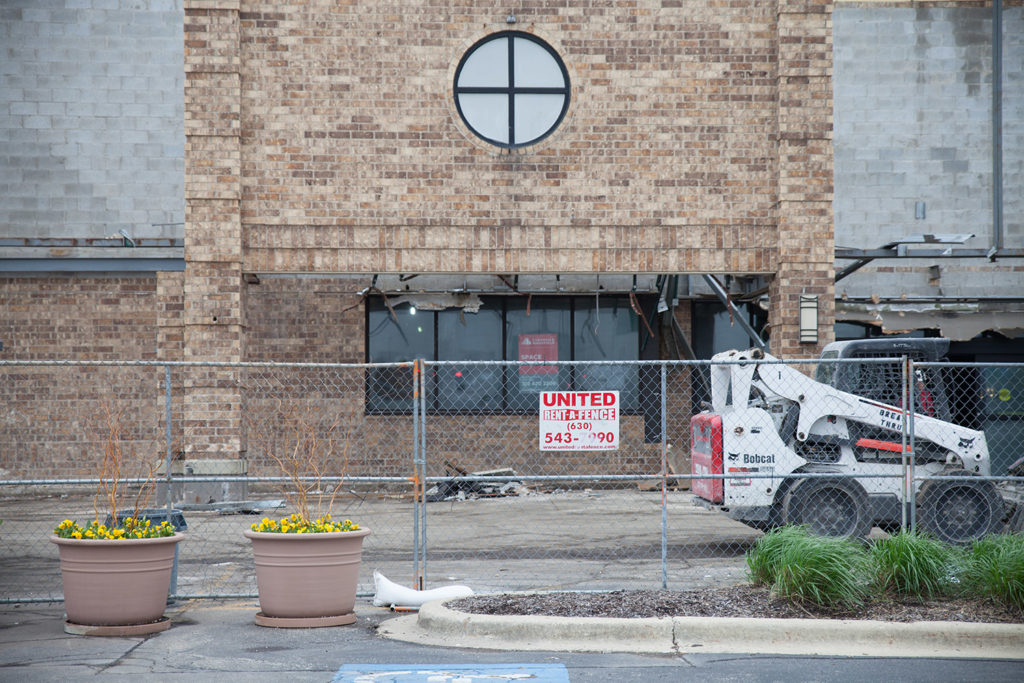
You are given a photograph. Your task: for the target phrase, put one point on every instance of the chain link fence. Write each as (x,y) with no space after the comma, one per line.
(225,444)
(960,501)
(464,475)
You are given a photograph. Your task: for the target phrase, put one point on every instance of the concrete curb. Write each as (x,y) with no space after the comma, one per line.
(436,624)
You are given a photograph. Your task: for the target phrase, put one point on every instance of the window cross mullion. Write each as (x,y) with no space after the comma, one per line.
(525,90)
(511,95)
(494,118)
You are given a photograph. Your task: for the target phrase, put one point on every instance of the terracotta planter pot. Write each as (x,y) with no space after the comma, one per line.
(307,580)
(116,587)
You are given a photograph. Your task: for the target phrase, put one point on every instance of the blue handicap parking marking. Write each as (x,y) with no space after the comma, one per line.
(455,673)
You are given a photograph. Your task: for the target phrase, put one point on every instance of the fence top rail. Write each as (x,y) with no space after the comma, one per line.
(965,364)
(210,478)
(201,364)
(668,363)
(507,363)
(510,478)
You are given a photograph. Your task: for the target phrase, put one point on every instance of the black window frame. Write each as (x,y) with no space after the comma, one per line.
(508,375)
(511,90)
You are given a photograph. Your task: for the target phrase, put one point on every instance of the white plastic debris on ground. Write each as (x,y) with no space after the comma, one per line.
(390,594)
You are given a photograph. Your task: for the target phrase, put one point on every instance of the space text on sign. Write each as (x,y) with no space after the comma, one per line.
(579,420)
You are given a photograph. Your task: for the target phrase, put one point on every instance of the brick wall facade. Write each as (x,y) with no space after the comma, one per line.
(305,320)
(354,158)
(698,139)
(213,316)
(805,233)
(79,316)
(51,418)
(323,138)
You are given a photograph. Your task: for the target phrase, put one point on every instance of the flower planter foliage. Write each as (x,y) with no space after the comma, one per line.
(130,528)
(116,574)
(295,524)
(307,564)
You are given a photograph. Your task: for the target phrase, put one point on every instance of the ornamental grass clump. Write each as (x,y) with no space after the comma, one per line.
(914,565)
(995,568)
(763,559)
(801,567)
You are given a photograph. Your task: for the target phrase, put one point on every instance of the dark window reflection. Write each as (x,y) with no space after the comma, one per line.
(606,329)
(543,335)
(537,331)
(404,336)
(468,336)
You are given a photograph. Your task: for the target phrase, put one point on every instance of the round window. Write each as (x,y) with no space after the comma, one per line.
(512,89)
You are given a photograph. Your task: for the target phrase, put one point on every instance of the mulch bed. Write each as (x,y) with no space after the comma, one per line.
(735,601)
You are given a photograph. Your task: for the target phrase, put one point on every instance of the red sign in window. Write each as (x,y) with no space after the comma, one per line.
(539,349)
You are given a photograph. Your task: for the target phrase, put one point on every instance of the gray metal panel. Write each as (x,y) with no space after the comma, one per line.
(93,124)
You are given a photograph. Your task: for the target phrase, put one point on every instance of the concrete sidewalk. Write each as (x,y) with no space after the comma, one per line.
(217,640)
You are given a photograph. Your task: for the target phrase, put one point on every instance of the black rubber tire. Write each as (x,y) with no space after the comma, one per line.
(828,507)
(773,522)
(959,512)
(890,526)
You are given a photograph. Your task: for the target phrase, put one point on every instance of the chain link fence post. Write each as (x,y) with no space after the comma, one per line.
(417,576)
(664,478)
(169,502)
(420,494)
(905,457)
(910,400)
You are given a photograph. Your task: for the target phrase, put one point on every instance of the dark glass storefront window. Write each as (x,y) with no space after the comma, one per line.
(467,336)
(407,335)
(538,331)
(607,329)
(542,335)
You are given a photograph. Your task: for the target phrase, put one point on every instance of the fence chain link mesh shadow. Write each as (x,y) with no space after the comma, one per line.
(446,463)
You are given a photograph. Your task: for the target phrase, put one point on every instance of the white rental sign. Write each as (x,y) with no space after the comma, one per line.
(579,420)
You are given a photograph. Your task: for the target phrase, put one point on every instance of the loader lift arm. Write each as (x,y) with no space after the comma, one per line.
(818,402)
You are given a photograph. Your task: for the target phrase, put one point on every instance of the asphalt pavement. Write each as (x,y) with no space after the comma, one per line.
(572,540)
(212,640)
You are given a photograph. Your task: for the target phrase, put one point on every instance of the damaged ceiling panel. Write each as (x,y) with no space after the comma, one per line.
(438,301)
(527,284)
(959,321)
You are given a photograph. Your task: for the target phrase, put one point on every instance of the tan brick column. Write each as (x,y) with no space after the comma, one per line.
(213,238)
(806,239)
(170,332)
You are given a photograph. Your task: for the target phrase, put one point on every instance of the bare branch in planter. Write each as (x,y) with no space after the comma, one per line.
(309,446)
(126,477)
